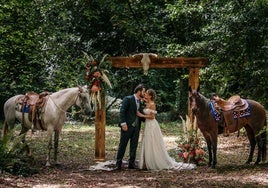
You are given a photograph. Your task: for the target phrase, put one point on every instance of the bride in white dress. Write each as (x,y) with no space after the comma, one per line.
(153,155)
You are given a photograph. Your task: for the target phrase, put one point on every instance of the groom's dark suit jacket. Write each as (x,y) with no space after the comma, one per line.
(128,111)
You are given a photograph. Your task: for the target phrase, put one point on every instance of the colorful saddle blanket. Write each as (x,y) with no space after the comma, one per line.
(24,109)
(236,114)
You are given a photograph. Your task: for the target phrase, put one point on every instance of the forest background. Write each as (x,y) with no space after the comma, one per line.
(42,44)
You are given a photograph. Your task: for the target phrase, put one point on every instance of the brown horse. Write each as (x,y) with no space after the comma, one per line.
(255,125)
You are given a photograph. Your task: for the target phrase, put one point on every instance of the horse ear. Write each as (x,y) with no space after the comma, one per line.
(80,88)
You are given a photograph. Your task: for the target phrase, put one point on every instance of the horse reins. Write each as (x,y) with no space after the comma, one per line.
(64,110)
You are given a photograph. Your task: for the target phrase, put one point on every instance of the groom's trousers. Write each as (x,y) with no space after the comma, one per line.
(132,135)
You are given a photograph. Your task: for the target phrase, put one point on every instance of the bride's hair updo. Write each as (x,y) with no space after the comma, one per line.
(152,93)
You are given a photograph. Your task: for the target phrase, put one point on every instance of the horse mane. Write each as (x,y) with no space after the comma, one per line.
(63,91)
(204,100)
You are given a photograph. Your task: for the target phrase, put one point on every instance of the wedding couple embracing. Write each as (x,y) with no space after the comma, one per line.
(153,154)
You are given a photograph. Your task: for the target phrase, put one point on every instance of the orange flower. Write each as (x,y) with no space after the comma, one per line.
(187,146)
(95,88)
(97,74)
(185,155)
(199,151)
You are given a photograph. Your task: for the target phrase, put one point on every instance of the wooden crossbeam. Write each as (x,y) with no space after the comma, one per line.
(193,63)
(159,62)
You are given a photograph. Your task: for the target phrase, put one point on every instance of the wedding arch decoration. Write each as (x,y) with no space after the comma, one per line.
(145,61)
(96,75)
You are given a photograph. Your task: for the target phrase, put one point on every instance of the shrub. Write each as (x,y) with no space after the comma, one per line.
(11,155)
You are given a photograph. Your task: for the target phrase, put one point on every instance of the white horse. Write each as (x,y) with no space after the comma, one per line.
(52,115)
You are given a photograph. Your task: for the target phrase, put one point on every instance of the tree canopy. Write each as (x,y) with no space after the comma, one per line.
(42,44)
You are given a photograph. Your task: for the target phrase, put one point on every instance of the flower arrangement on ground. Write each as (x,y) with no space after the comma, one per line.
(96,74)
(190,146)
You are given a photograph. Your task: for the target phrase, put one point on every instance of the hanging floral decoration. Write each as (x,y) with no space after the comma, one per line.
(96,75)
(191,146)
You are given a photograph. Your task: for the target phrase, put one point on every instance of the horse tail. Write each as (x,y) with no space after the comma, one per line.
(264,141)
(5,128)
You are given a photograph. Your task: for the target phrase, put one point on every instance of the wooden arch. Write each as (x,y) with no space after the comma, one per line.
(192,63)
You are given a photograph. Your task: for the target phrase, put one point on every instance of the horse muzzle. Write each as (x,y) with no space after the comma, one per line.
(86,111)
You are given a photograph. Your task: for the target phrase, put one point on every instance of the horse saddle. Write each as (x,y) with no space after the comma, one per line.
(233,108)
(32,104)
(234,103)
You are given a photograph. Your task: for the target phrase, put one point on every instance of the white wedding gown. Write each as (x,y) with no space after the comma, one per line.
(154,155)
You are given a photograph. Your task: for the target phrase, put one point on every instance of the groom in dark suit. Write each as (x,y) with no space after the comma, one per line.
(130,126)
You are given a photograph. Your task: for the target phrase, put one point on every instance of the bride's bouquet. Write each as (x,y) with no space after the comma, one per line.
(191,145)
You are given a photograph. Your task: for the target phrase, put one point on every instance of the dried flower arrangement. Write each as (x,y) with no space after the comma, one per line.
(190,149)
(96,74)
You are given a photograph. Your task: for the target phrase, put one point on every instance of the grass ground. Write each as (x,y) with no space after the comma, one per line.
(76,155)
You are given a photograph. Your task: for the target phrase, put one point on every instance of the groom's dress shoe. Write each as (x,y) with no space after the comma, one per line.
(132,167)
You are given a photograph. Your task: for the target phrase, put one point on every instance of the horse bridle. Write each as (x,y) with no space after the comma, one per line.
(82,104)
(194,110)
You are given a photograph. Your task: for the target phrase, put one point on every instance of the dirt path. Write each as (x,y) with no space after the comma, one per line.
(74,171)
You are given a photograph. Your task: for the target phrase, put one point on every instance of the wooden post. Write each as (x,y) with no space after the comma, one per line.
(193,63)
(193,83)
(100,122)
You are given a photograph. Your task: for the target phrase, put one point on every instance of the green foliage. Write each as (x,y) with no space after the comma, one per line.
(11,156)
(237,49)
(232,35)
(42,42)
